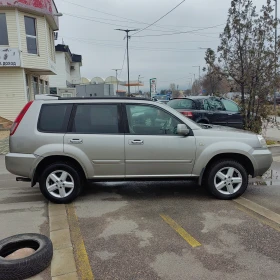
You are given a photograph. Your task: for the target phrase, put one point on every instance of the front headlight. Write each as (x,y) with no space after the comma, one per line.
(262,141)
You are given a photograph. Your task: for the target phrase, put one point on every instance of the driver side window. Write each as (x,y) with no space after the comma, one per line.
(149,120)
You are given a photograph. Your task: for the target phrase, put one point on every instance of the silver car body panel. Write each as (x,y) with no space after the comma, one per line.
(111,156)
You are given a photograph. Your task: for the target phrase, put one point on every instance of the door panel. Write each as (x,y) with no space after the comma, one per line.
(105,153)
(216,111)
(234,117)
(96,136)
(153,148)
(163,156)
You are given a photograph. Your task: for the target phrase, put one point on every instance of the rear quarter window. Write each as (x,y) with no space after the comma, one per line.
(54,118)
(182,104)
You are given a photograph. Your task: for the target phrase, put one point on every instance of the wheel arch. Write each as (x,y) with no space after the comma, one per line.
(54,159)
(242,159)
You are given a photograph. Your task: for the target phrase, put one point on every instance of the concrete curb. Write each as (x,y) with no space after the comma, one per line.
(63,264)
(272,146)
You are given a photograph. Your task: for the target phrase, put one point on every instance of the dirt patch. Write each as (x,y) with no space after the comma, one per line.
(4,134)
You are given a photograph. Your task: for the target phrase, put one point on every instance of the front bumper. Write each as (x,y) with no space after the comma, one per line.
(263,160)
(20,164)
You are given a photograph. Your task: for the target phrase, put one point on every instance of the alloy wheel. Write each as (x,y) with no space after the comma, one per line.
(60,184)
(228,180)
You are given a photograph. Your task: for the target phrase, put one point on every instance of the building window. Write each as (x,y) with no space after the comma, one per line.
(41,86)
(3,30)
(35,85)
(31,36)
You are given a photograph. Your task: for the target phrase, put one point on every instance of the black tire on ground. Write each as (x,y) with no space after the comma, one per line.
(27,267)
(73,171)
(218,165)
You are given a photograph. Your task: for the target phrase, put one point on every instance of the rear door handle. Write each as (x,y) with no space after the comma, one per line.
(76,141)
(136,142)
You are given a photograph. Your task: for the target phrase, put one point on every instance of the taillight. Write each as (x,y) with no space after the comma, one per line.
(187,114)
(19,118)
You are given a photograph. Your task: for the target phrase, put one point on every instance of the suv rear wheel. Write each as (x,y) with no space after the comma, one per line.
(60,183)
(227,179)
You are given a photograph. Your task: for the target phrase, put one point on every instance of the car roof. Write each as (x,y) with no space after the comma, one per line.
(56,97)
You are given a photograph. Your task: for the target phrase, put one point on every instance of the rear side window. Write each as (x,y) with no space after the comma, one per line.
(96,119)
(182,104)
(54,118)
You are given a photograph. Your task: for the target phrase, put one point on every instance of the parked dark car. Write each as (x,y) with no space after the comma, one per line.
(278,98)
(209,110)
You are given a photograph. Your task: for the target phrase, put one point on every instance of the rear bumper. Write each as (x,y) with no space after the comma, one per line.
(263,160)
(20,164)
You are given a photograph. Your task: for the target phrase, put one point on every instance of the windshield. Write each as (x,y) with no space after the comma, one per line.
(181,104)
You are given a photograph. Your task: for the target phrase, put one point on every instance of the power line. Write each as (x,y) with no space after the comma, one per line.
(128,19)
(107,23)
(160,18)
(98,11)
(182,32)
(80,40)
(90,19)
(140,42)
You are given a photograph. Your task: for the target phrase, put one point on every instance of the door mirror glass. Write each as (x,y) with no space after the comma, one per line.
(183,130)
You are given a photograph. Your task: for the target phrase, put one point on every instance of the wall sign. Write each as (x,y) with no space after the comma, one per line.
(45,6)
(9,57)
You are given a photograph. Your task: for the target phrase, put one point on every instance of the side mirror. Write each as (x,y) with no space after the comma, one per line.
(183,130)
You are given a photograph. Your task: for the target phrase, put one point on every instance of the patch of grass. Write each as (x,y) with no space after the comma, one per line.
(270,142)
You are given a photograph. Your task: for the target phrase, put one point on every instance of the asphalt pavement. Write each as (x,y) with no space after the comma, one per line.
(22,210)
(178,231)
(163,230)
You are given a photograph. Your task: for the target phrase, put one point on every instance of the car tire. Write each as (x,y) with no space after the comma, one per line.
(27,267)
(227,179)
(61,191)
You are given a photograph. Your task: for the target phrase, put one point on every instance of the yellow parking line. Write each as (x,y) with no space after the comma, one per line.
(81,256)
(260,218)
(186,236)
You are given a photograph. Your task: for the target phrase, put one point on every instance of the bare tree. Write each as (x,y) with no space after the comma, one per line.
(196,87)
(247,55)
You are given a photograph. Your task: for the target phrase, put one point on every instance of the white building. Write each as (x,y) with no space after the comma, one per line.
(27,52)
(68,69)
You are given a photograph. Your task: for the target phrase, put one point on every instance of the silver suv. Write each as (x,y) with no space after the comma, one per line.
(62,143)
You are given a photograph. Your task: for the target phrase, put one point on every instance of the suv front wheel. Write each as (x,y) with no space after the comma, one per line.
(60,183)
(227,179)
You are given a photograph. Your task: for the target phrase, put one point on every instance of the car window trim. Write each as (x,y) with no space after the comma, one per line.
(152,105)
(65,121)
(73,114)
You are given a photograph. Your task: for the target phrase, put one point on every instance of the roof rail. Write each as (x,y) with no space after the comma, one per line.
(46,96)
(104,97)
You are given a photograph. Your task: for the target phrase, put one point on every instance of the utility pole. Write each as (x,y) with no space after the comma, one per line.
(117,77)
(127,53)
(275,87)
(199,71)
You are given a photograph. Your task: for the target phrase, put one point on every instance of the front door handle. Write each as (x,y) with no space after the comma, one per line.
(136,142)
(76,141)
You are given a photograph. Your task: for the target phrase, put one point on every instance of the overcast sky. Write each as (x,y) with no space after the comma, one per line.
(89,31)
